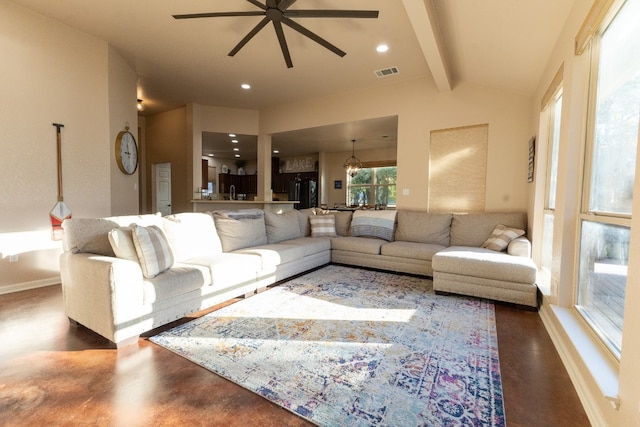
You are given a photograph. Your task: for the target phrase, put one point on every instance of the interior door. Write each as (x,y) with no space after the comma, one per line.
(162,188)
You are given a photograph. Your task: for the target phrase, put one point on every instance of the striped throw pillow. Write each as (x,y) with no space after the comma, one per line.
(323,226)
(500,238)
(153,250)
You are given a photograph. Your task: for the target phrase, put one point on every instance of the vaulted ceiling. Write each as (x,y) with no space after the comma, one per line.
(501,43)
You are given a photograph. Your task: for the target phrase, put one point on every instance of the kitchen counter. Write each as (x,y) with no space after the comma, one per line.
(204,205)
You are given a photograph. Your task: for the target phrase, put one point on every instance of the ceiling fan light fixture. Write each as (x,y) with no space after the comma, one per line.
(278,13)
(352,165)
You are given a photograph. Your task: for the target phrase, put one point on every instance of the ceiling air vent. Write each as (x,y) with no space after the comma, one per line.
(387,72)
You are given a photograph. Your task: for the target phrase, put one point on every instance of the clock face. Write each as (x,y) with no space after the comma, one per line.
(127,152)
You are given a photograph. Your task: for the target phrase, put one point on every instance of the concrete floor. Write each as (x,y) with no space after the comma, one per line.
(55,374)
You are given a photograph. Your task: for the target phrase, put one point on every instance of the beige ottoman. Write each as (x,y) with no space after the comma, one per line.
(484,273)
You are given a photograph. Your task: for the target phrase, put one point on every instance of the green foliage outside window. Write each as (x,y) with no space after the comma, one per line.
(372,186)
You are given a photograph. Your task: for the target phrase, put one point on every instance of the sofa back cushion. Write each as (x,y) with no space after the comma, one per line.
(475,229)
(240,229)
(423,227)
(192,235)
(280,227)
(90,235)
(303,220)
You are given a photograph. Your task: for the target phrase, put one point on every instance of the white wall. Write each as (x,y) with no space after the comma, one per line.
(421,109)
(51,73)
(122,113)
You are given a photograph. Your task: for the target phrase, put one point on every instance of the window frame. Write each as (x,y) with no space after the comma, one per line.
(553,115)
(586,214)
(373,185)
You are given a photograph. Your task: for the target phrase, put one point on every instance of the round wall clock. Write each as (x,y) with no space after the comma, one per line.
(126,152)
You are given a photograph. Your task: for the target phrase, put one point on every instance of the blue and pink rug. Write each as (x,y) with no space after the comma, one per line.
(349,347)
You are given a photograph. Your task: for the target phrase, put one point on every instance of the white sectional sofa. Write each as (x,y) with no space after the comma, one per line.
(123,276)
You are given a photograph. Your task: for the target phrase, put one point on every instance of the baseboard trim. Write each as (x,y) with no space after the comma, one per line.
(25,286)
(585,393)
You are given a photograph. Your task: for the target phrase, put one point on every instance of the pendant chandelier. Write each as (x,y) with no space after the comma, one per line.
(352,164)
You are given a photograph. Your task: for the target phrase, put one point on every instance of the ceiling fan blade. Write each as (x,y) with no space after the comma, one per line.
(217,14)
(285,4)
(257,4)
(331,13)
(302,30)
(249,36)
(283,43)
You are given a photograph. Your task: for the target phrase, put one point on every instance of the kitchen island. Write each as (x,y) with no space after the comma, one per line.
(204,205)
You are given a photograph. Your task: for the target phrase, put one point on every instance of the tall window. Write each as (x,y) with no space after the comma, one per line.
(373,186)
(552,179)
(610,175)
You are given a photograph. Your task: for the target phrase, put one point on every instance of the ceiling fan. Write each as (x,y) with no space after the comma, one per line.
(277,12)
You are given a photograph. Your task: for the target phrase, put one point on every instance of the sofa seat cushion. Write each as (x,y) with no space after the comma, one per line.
(358,244)
(485,263)
(177,280)
(413,250)
(275,254)
(310,245)
(230,268)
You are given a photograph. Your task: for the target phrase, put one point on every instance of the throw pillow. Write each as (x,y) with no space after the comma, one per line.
(323,226)
(500,238)
(121,239)
(153,250)
(374,224)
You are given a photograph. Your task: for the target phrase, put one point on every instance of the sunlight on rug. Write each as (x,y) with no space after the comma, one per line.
(343,346)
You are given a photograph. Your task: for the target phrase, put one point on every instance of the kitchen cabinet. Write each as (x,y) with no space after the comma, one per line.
(205,173)
(244,184)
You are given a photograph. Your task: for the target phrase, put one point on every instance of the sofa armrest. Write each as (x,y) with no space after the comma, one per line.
(520,246)
(103,293)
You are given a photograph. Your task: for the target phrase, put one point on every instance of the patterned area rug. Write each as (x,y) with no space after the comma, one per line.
(343,346)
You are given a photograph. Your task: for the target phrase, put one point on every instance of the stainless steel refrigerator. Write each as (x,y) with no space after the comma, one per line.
(306,191)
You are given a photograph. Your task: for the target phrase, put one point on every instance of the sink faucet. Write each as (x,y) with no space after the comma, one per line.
(232,191)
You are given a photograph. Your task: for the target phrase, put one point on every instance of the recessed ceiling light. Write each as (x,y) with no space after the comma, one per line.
(245,86)
(276,151)
(232,135)
(236,149)
(210,155)
(381,48)
(235,141)
(237,155)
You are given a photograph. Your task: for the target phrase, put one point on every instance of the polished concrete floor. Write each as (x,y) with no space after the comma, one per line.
(54,374)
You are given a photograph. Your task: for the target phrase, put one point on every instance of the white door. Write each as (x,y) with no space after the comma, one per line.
(162,188)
